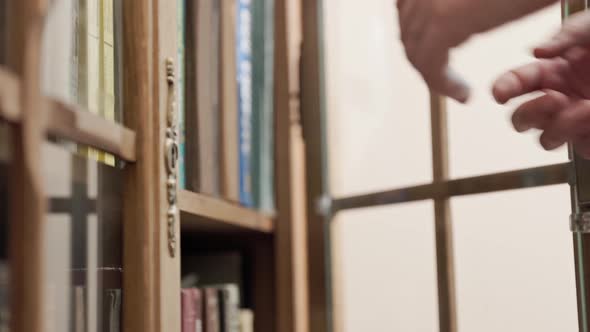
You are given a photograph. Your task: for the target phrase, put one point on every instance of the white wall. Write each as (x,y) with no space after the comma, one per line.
(514,257)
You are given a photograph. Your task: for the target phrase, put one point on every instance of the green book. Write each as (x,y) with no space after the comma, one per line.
(263,110)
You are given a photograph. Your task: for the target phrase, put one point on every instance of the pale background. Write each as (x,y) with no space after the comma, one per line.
(514,256)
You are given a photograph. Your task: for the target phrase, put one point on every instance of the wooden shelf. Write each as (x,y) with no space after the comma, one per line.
(70,121)
(204,213)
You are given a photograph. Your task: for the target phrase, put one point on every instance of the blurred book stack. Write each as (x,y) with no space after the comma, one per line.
(229,113)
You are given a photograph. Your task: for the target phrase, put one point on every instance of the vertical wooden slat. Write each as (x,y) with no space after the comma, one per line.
(317,226)
(167,276)
(139,303)
(442,218)
(28,200)
(580,193)
(290,246)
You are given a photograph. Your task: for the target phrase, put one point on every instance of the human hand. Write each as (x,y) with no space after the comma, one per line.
(428,31)
(562,74)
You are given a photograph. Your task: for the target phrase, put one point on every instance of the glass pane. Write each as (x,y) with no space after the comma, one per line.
(515,262)
(83,241)
(377,106)
(384,269)
(481,136)
(81,59)
(5,159)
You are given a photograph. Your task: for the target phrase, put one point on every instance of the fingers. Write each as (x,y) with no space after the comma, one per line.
(454,86)
(574,32)
(571,124)
(544,74)
(537,113)
(582,147)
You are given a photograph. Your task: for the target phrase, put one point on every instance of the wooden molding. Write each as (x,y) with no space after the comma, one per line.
(69,121)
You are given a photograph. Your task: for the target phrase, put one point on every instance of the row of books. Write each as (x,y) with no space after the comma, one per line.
(215,309)
(227,147)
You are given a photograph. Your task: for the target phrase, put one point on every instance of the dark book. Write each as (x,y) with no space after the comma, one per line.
(4,297)
(192,310)
(111,310)
(3,30)
(211,310)
(229,304)
(202,96)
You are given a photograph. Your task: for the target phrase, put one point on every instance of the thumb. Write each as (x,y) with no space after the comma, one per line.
(574,32)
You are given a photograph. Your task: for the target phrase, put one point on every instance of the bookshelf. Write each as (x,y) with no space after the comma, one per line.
(153,241)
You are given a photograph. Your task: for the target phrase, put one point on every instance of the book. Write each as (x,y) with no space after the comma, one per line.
(79,309)
(111,310)
(263,108)
(4,297)
(192,310)
(229,104)
(211,310)
(246,320)
(88,45)
(229,303)
(118,51)
(190,156)
(107,68)
(202,97)
(244,68)
(181,92)
(3,31)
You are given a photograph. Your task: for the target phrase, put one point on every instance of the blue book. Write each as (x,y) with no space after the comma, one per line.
(244,70)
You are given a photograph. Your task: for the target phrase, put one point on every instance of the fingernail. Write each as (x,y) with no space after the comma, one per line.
(522,127)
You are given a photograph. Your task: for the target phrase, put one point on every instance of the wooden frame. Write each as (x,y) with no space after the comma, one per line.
(28,205)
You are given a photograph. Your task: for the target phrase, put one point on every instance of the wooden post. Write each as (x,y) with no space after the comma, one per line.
(290,247)
(442,218)
(167,230)
(28,200)
(318,234)
(139,305)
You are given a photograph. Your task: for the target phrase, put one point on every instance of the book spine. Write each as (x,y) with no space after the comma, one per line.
(246,320)
(212,310)
(107,76)
(267,192)
(111,321)
(4,297)
(79,310)
(189,313)
(244,69)
(229,104)
(181,97)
